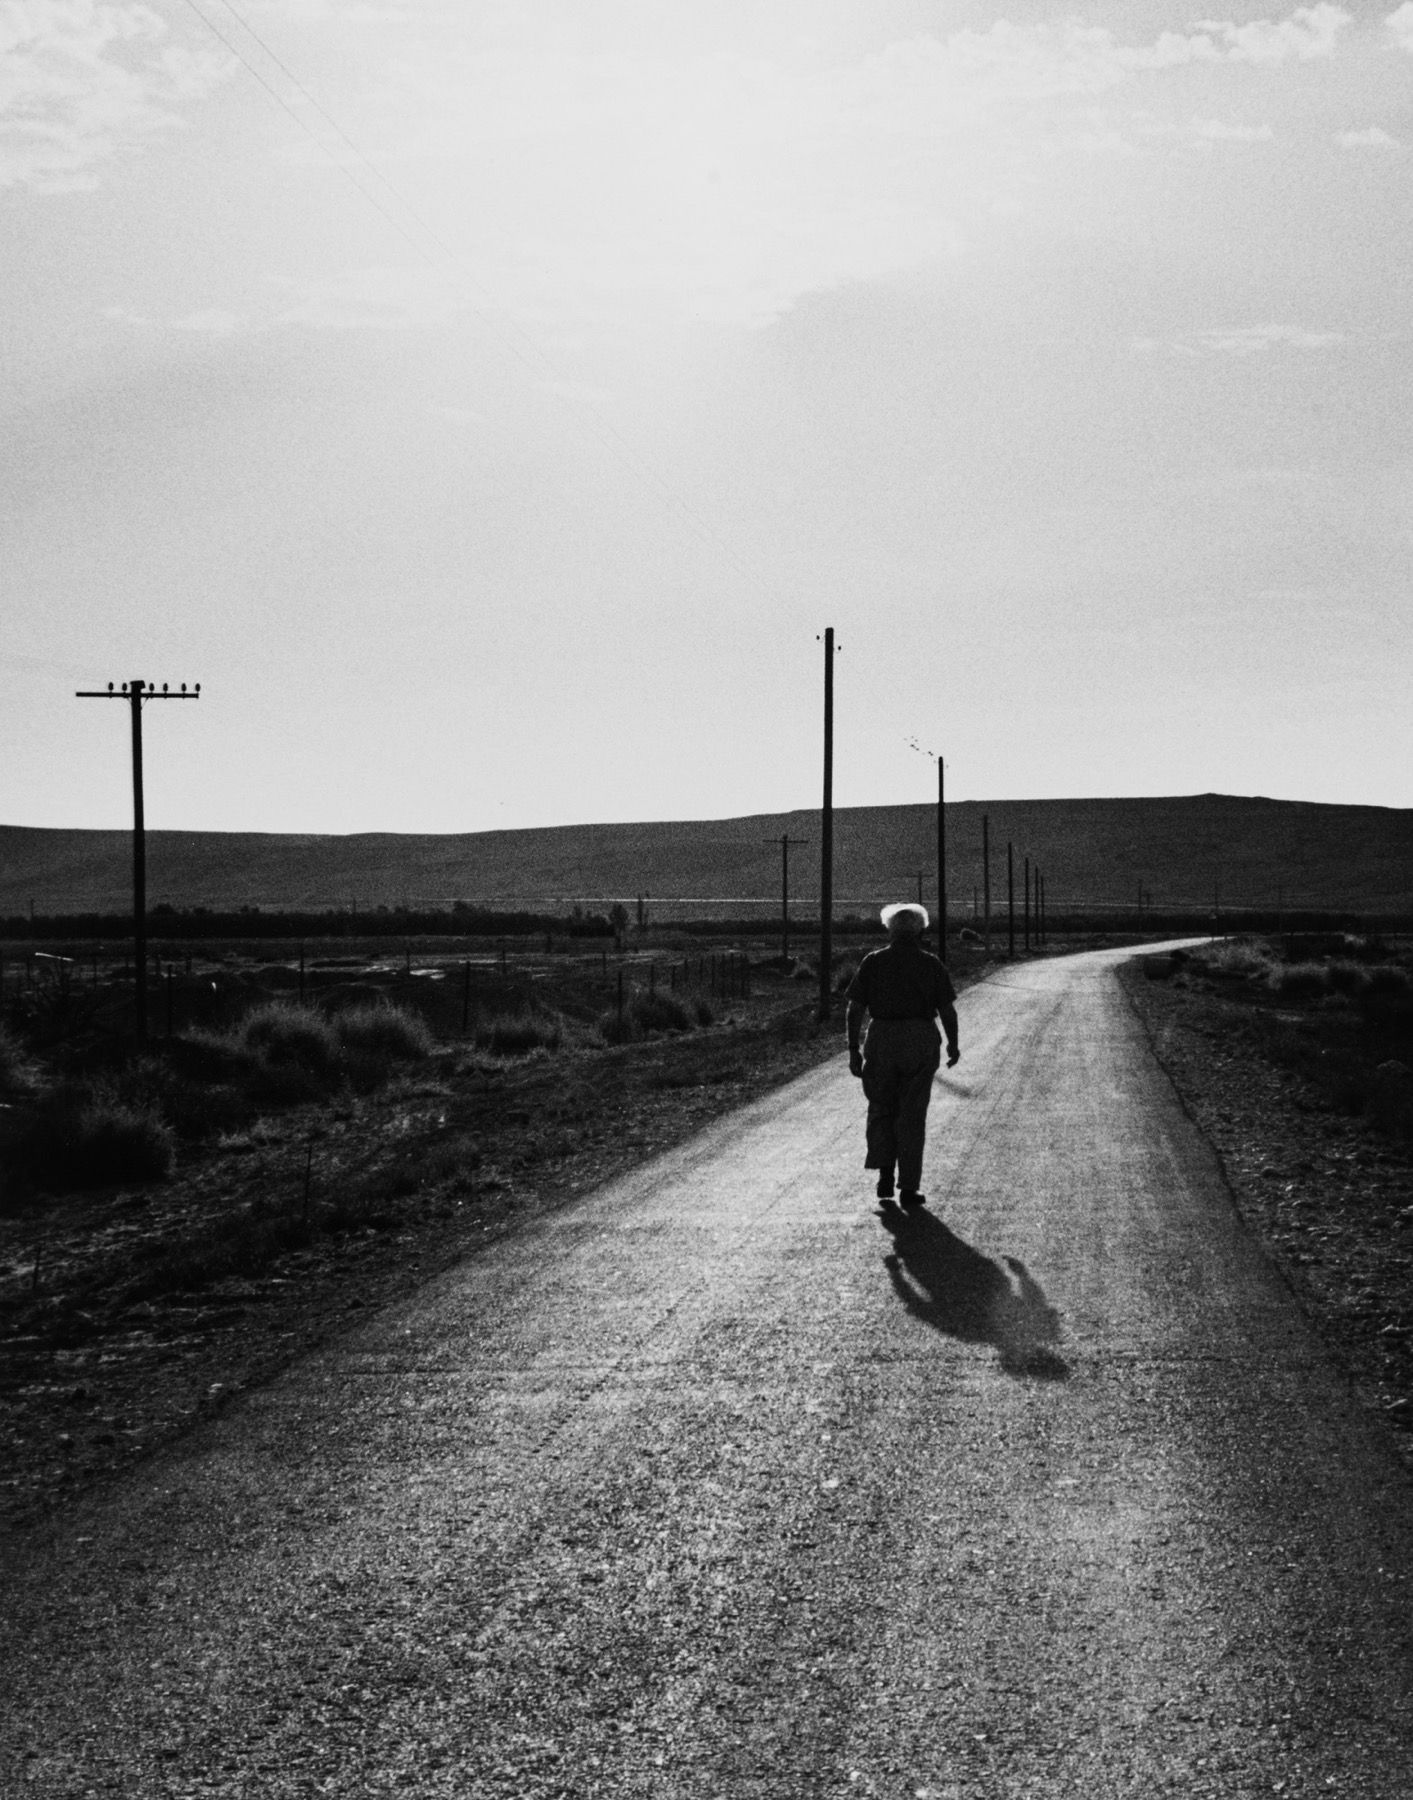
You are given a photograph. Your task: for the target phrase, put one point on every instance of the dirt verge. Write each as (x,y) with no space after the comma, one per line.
(1328,1193)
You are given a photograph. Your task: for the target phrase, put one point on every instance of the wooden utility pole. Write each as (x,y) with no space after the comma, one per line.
(941,861)
(785,841)
(1010,901)
(986,877)
(826,838)
(1027,904)
(135,693)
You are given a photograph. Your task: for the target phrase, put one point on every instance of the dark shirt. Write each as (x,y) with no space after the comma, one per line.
(903,981)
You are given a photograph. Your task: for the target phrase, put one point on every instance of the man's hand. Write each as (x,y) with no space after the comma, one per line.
(856,1064)
(953,1056)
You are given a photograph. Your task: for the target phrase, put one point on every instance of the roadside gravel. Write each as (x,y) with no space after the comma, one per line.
(1329,1196)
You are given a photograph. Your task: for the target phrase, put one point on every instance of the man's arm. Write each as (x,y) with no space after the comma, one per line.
(853,1020)
(947,1011)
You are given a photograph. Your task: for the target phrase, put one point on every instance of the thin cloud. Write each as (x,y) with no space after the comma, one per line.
(725,188)
(1245,340)
(82,82)
(1372,137)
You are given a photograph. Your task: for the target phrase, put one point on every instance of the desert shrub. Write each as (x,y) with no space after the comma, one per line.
(1345,978)
(1299,981)
(516,1034)
(618,1028)
(385,1030)
(117,1142)
(1387,996)
(295,1035)
(660,1011)
(16,1070)
(90,1135)
(1239,957)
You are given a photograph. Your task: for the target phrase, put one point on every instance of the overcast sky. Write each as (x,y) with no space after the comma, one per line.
(489,404)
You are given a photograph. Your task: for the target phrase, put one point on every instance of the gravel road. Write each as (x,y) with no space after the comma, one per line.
(718,1483)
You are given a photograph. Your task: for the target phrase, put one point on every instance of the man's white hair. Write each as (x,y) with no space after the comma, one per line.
(905,920)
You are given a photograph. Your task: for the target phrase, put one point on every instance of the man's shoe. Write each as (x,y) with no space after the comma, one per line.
(885,1187)
(910,1199)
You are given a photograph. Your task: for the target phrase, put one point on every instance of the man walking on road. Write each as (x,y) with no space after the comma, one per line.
(903,989)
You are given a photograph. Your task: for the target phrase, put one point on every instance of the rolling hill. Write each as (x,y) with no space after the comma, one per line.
(1094,852)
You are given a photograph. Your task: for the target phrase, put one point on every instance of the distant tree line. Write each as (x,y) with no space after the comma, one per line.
(463,918)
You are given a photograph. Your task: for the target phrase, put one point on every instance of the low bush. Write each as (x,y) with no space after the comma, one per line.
(660,1011)
(90,1136)
(385,1030)
(1386,998)
(616,1027)
(1239,957)
(296,1035)
(1299,981)
(1345,978)
(16,1070)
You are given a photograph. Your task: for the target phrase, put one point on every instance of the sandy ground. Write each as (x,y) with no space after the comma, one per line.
(719,1482)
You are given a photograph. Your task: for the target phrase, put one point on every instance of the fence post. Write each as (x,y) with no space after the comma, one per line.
(466,996)
(620,995)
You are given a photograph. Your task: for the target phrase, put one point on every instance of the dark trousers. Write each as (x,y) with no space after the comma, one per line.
(900,1058)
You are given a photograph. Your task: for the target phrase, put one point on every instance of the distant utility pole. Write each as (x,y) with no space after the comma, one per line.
(826,838)
(1027,904)
(1010,901)
(135,692)
(785,841)
(986,876)
(941,862)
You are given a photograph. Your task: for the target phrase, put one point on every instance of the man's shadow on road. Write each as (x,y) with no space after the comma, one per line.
(957,1290)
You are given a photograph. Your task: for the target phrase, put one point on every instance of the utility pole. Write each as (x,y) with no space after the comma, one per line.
(785,842)
(826,838)
(1027,905)
(1010,901)
(135,692)
(986,876)
(941,862)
